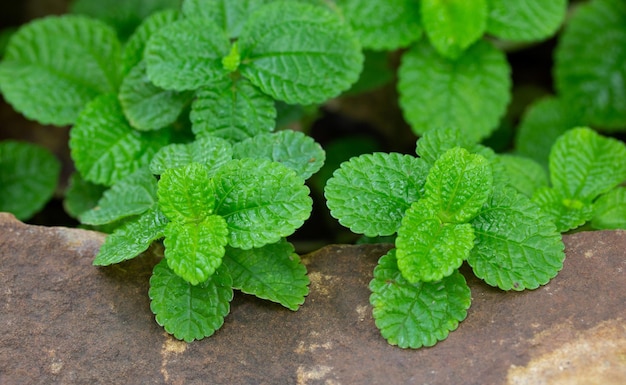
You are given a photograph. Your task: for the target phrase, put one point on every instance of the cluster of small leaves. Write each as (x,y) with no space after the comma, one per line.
(452,76)
(451,204)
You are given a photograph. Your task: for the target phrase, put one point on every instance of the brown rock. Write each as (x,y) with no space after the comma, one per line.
(64,321)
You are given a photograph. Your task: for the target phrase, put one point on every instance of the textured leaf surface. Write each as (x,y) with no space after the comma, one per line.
(470,93)
(186,54)
(28,177)
(383,25)
(453,25)
(81,195)
(229,15)
(458,185)
(146,106)
(541,126)
(54,66)
(194,250)
(186,311)
(212,152)
(293,149)
(584,164)
(428,249)
(416,315)
(524,174)
(132,238)
(186,193)
(233,110)
(134,47)
(272,272)
(370,193)
(262,201)
(566,213)
(609,211)
(525,20)
(435,143)
(517,245)
(299,53)
(129,196)
(589,63)
(105,148)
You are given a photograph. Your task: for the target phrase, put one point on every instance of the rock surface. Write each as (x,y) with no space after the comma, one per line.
(64,321)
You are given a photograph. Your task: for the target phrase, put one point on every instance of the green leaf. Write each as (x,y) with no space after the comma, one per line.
(262,201)
(54,66)
(383,25)
(584,164)
(194,250)
(131,195)
(416,315)
(541,125)
(525,20)
(458,185)
(186,311)
(212,152)
(517,245)
(524,174)
(229,15)
(186,193)
(29,174)
(272,272)
(293,149)
(589,63)
(299,53)
(232,109)
(609,211)
(429,249)
(435,143)
(187,54)
(148,107)
(453,25)
(105,148)
(566,213)
(81,195)
(470,93)
(136,44)
(132,238)
(370,193)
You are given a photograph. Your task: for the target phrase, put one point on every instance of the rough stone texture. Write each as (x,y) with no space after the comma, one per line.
(64,321)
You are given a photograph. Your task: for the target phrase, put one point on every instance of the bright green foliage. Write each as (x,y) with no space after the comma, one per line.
(589,63)
(470,93)
(524,174)
(541,125)
(212,152)
(189,312)
(185,194)
(370,193)
(29,174)
(429,249)
(131,195)
(232,109)
(293,149)
(194,248)
(81,195)
(187,54)
(272,272)
(146,106)
(103,145)
(517,245)
(435,143)
(458,185)
(51,70)
(565,213)
(262,201)
(383,25)
(453,25)
(610,210)
(132,238)
(525,20)
(229,15)
(416,315)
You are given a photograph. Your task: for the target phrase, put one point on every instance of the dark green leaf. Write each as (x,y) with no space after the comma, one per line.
(609,211)
(524,174)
